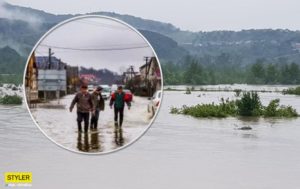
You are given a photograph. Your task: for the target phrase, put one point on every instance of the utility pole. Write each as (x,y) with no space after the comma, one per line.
(148,65)
(50,53)
(132,73)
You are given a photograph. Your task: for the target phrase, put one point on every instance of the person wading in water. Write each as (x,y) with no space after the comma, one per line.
(98,103)
(118,99)
(84,103)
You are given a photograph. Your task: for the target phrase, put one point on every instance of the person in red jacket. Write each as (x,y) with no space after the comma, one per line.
(119,99)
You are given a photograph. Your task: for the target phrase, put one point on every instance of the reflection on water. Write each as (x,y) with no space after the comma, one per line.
(249,119)
(119,136)
(249,135)
(88,142)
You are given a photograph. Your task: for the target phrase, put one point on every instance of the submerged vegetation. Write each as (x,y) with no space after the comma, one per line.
(11,100)
(293,91)
(226,108)
(248,105)
(189,90)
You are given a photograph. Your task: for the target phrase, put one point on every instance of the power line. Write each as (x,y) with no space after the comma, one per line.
(102,25)
(96,49)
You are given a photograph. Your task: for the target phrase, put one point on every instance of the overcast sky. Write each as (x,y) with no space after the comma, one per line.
(189,14)
(98,43)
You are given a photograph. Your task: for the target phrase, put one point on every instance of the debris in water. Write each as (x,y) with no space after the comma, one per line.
(245,128)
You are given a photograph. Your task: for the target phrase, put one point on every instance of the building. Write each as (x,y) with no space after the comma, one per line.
(52,77)
(150,76)
(88,79)
(31,81)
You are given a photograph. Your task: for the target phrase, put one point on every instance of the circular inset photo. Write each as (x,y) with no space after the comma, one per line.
(93,84)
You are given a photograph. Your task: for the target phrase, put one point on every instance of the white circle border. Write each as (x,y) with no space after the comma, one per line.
(56,27)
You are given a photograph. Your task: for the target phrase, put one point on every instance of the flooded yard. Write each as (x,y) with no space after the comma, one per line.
(60,125)
(176,152)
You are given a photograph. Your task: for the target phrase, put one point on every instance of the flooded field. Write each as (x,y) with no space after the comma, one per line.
(177,152)
(61,125)
(227,87)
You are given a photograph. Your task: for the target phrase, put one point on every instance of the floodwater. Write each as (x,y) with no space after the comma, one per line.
(228,87)
(60,125)
(176,152)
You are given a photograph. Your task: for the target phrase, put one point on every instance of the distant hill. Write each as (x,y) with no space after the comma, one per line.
(140,23)
(249,44)
(216,49)
(11,62)
(21,34)
(165,47)
(32,15)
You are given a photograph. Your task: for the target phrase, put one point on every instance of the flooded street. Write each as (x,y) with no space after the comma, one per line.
(61,125)
(176,152)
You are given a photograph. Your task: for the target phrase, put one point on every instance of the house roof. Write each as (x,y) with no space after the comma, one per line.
(151,60)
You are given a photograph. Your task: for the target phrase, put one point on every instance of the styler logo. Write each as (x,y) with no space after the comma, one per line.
(18,179)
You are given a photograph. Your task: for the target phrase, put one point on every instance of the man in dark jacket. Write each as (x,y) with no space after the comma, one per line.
(98,103)
(84,103)
(118,100)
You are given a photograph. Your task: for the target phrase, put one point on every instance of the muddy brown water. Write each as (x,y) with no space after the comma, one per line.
(176,152)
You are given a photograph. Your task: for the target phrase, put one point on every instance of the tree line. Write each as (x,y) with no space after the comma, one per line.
(195,72)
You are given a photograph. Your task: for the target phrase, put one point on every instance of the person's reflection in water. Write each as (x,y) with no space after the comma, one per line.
(83,145)
(119,136)
(86,145)
(79,143)
(95,145)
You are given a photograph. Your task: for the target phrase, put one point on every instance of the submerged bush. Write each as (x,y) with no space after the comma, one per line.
(11,100)
(175,110)
(188,91)
(274,110)
(224,109)
(248,105)
(294,91)
(237,92)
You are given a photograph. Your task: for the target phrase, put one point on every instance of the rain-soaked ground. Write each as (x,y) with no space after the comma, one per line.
(176,152)
(60,125)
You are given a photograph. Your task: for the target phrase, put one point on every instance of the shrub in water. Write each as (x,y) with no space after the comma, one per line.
(249,104)
(295,91)
(273,110)
(175,110)
(11,100)
(237,92)
(188,91)
(224,109)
